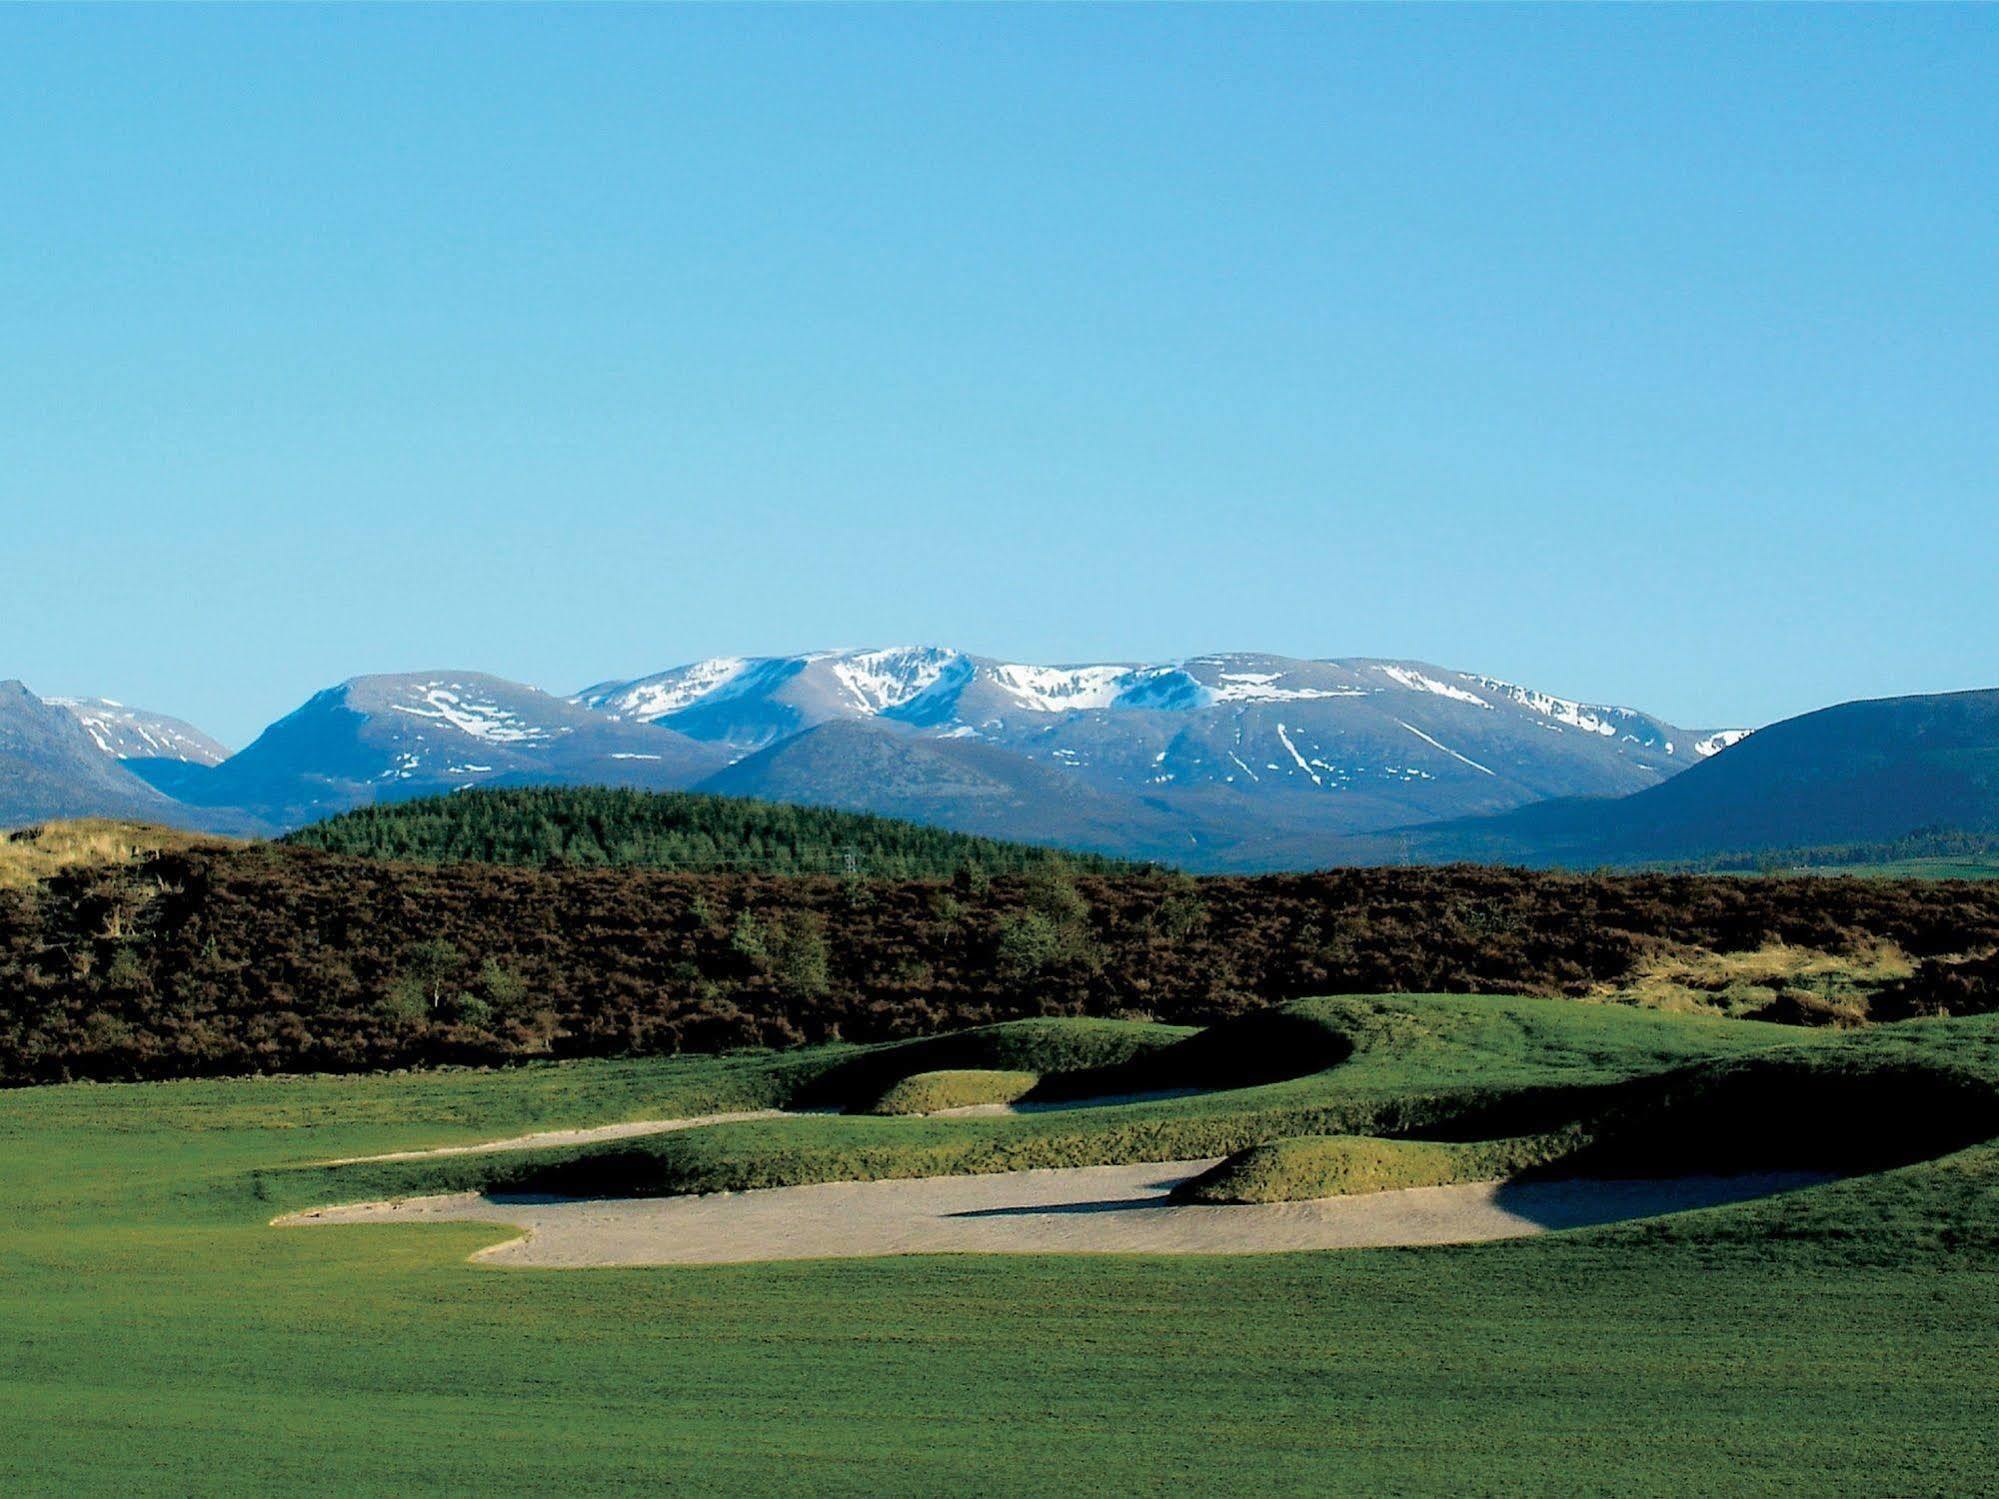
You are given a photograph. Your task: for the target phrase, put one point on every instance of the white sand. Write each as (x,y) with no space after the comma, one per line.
(549,1137)
(1089,1209)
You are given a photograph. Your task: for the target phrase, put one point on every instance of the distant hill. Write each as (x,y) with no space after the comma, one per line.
(50,767)
(127,733)
(552,826)
(954,783)
(1861,773)
(1237,762)
(392,738)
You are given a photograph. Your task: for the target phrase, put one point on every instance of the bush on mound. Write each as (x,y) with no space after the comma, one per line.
(1050,1047)
(927,1092)
(1308,1166)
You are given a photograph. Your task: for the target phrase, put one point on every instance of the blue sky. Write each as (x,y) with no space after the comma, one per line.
(1638,354)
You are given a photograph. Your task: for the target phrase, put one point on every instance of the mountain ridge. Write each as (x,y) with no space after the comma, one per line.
(1236,751)
(1228,760)
(127,733)
(390,736)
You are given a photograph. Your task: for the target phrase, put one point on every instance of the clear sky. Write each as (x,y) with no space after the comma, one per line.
(1648,355)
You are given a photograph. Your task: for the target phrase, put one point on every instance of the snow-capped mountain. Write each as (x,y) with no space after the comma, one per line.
(388,737)
(51,767)
(1229,760)
(747,702)
(136,734)
(1345,745)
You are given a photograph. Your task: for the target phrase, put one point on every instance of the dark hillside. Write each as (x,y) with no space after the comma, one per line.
(1860,773)
(270,958)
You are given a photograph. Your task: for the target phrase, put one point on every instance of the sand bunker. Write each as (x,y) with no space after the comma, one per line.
(549,1137)
(1089,1210)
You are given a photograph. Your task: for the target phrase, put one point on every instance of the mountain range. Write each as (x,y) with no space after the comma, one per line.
(1227,761)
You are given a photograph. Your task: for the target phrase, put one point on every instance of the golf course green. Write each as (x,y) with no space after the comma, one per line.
(157,1333)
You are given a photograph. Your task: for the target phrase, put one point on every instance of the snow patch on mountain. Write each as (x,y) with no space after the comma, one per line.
(1591,719)
(878,681)
(135,734)
(1417,681)
(482,719)
(1444,747)
(1715,743)
(669,692)
(1061,689)
(1265,687)
(1292,750)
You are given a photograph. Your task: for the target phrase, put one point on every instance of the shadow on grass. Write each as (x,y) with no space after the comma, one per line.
(1587,1202)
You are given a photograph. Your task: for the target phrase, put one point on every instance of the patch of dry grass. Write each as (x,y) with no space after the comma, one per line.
(1775,981)
(28,855)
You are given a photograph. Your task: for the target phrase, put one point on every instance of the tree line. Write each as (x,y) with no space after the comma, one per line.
(551,827)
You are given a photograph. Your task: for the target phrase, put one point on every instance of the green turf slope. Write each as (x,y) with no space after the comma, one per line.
(1323,1066)
(954,1088)
(156,1335)
(1304,1167)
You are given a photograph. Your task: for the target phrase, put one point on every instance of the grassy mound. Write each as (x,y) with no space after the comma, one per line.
(1054,1050)
(929,1092)
(1844,1110)
(1266,1046)
(1447,1068)
(1847,1109)
(1302,1168)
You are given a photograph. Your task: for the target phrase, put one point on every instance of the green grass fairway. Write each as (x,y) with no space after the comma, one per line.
(156,1335)
(1941,868)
